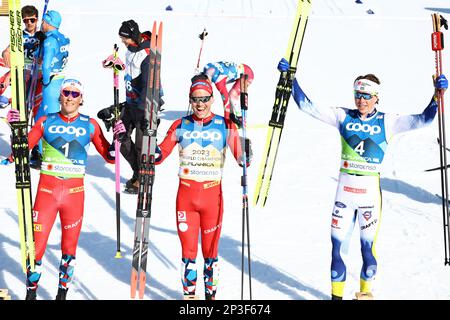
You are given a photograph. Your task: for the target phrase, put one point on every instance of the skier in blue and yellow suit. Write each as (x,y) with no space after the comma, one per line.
(365,133)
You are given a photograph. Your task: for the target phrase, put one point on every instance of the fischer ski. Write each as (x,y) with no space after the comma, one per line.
(282,96)
(19,139)
(147,167)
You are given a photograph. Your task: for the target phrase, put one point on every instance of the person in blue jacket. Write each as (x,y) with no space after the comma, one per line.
(56,52)
(365,133)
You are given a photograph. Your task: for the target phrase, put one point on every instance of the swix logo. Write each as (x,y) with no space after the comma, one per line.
(205,135)
(363,127)
(69,130)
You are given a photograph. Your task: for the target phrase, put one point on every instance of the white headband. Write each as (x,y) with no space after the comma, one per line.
(365,85)
(70,82)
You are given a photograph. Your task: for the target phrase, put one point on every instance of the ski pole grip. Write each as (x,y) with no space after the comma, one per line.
(437,41)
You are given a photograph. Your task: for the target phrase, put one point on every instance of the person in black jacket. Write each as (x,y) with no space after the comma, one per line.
(136,78)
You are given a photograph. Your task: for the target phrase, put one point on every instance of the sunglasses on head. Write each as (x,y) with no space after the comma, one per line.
(365,96)
(200,99)
(26,20)
(75,94)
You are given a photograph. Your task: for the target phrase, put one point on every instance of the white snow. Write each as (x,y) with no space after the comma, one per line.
(290,237)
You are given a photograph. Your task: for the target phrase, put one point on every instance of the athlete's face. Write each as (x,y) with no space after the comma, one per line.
(70,101)
(365,106)
(201,108)
(126,41)
(30,23)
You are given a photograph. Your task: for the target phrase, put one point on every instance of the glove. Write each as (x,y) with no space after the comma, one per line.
(4,102)
(236,120)
(107,116)
(119,130)
(13,116)
(40,36)
(112,152)
(7,160)
(441,83)
(247,143)
(283,65)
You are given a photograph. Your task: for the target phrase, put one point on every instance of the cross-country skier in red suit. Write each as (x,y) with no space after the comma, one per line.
(66,137)
(202,140)
(223,73)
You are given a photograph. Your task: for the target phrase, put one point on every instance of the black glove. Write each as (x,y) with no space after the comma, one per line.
(236,120)
(112,152)
(247,144)
(40,36)
(107,115)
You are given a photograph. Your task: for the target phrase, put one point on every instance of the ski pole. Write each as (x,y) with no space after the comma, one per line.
(117,148)
(245,214)
(202,37)
(111,62)
(437,45)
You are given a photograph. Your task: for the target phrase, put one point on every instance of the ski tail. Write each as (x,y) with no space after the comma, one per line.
(282,96)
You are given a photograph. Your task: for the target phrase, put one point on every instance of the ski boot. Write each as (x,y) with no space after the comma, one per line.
(31,295)
(132,185)
(61,295)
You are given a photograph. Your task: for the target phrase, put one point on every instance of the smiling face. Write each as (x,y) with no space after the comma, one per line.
(365,104)
(201,107)
(71,99)
(30,23)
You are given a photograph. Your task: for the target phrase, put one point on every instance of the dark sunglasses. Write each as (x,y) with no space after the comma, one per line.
(32,20)
(66,93)
(365,96)
(199,99)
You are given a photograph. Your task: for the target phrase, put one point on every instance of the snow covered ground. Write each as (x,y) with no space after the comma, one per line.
(290,237)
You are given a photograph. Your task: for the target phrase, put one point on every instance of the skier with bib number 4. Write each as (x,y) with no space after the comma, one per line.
(365,133)
(66,137)
(202,138)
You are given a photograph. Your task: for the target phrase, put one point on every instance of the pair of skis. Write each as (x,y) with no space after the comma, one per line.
(19,141)
(147,167)
(282,96)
